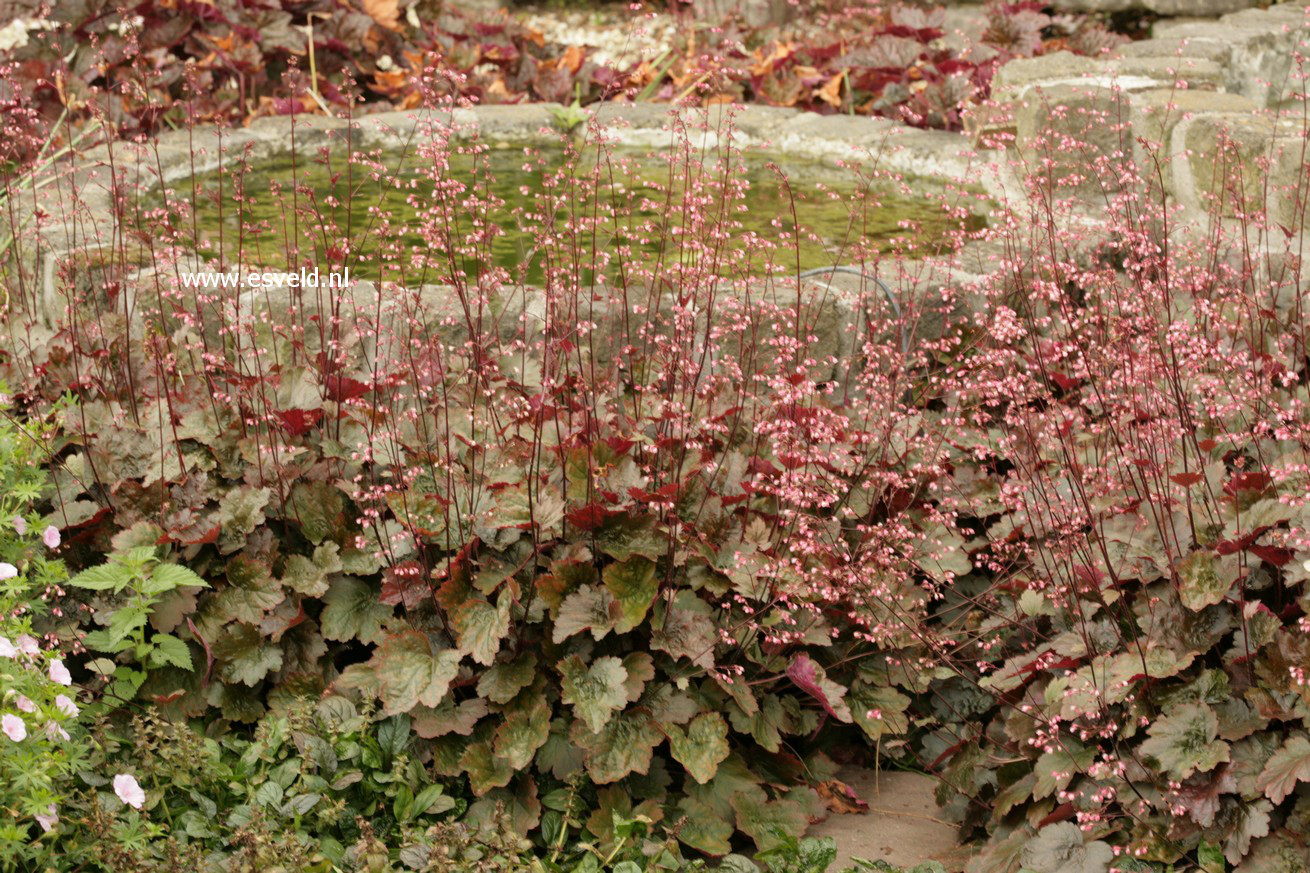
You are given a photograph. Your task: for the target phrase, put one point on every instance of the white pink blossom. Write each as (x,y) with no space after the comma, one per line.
(7,648)
(59,673)
(28,645)
(65,704)
(129,790)
(50,536)
(24,703)
(13,727)
(48,819)
(20,525)
(7,570)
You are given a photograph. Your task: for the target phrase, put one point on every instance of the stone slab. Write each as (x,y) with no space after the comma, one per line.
(902,826)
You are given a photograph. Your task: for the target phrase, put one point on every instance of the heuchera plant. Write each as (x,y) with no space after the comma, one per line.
(580,529)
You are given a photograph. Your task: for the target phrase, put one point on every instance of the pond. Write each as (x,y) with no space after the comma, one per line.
(584,212)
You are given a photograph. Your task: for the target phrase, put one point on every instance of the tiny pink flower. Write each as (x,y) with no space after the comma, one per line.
(48,820)
(28,645)
(7,649)
(65,704)
(7,571)
(55,732)
(50,536)
(23,703)
(14,728)
(59,673)
(129,790)
(20,525)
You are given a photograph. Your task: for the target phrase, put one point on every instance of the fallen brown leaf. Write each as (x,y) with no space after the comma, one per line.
(384,12)
(841,798)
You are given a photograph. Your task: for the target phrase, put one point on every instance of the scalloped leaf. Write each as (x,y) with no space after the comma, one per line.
(352,611)
(503,681)
(595,691)
(623,746)
(1184,741)
(1201,582)
(588,608)
(633,586)
(309,576)
(480,627)
(1284,769)
(701,747)
(702,829)
(525,729)
(251,591)
(685,629)
(244,656)
(409,672)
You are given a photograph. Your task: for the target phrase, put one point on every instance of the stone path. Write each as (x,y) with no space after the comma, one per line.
(902,827)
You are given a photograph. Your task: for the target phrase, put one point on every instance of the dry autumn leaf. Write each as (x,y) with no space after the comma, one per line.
(841,798)
(830,93)
(384,12)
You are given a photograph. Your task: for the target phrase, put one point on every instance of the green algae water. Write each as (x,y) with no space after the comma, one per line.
(528,211)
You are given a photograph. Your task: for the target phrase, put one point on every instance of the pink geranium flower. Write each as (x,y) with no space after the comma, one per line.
(65,704)
(50,536)
(28,645)
(20,525)
(48,820)
(24,704)
(59,673)
(13,727)
(7,570)
(7,649)
(129,790)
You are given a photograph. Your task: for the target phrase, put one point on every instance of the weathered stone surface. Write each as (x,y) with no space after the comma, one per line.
(1261,44)
(1188,72)
(1073,130)
(755,13)
(530,123)
(1178,48)
(1159,7)
(1055,67)
(1237,164)
(1155,115)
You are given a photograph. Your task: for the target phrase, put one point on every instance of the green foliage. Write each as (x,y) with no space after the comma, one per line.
(41,744)
(311,787)
(589,641)
(136,582)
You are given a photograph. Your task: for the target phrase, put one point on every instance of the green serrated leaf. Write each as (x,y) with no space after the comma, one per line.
(633,586)
(102,578)
(623,746)
(525,729)
(702,746)
(595,691)
(1284,769)
(503,681)
(1184,741)
(169,650)
(409,672)
(352,611)
(244,656)
(479,627)
(588,608)
(171,576)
